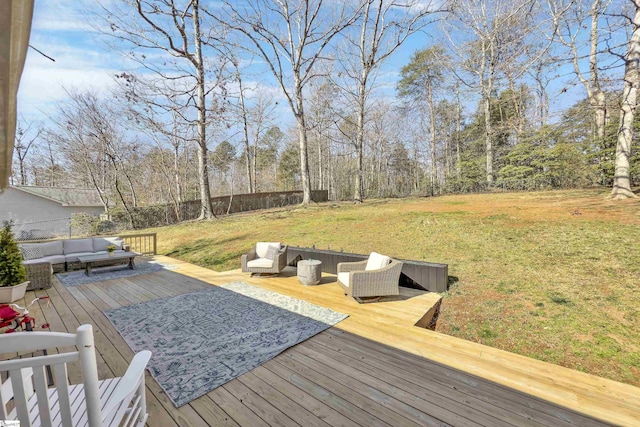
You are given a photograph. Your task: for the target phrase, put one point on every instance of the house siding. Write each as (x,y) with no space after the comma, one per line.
(37,218)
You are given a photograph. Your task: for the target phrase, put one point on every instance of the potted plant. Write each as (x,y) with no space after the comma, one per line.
(12,272)
(111,249)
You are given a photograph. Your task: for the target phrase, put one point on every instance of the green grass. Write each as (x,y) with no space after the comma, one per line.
(530,276)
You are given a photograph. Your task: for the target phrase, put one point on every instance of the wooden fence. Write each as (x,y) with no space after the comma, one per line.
(415,274)
(159,215)
(145,243)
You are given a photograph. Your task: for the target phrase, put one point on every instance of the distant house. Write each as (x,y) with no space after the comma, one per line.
(43,212)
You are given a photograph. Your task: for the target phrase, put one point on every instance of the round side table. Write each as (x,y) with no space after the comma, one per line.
(309,272)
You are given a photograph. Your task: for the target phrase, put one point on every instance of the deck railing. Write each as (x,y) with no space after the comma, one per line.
(144,243)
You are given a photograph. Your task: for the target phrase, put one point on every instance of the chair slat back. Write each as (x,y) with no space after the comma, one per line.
(27,377)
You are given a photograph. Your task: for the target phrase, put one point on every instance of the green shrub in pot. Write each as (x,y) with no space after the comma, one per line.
(12,272)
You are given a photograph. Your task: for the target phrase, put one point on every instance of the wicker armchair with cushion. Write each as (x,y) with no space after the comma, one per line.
(265,257)
(369,280)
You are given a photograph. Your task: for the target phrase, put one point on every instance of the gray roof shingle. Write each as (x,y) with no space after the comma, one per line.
(66,196)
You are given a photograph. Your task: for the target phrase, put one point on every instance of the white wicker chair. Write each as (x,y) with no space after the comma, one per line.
(367,285)
(265,257)
(25,396)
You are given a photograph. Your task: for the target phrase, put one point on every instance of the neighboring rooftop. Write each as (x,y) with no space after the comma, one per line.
(65,196)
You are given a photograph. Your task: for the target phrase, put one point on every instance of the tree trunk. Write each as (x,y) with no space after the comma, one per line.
(176,177)
(302,139)
(433,173)
(357,196)
(320,163)
(206,209)
(622,178)
(598,101)
(487,136)
(486,83)
(245,129)
(458,132)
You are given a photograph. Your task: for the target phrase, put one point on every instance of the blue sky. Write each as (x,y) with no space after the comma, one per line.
(62,30)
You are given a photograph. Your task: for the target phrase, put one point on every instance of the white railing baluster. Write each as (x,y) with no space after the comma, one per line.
(40,383)
(19,378)
(62,384)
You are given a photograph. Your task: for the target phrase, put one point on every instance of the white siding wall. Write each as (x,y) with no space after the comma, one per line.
(36,216)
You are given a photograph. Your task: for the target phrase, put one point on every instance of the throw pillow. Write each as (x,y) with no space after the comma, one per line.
(31,252)
(272,253)
(377,261)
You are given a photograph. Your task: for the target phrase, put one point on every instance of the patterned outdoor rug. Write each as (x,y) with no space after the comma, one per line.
(100,274)
(204,339)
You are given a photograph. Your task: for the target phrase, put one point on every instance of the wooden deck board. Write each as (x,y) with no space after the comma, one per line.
(373,368)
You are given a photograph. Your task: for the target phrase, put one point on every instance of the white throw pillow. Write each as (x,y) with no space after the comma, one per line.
(377,261)
(272,253)
(263,247)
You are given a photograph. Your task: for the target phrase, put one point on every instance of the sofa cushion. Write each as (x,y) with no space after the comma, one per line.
(74,257)
(53,259)
(260,263)
(74,246)
(30,251)
(263,247)
(377,261)
(101,243)
(52,248)
(344,278)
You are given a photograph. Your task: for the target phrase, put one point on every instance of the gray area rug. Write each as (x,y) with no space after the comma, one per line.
(76,278)
(204,339)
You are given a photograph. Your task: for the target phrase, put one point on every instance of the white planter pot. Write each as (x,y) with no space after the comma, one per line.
(12,293)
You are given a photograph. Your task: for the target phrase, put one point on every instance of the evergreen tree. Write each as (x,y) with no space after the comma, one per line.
(12,271)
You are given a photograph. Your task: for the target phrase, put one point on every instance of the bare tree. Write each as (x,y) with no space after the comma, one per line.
(175,30)
(383,28)
(572,17)
(494,33)
(73,136)
(621,180)
(291,37)
(419,82)
(26,134)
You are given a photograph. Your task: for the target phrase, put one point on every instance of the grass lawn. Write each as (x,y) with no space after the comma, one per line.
(550,275)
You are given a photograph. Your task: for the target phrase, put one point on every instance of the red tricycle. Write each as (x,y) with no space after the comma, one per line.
(12,320)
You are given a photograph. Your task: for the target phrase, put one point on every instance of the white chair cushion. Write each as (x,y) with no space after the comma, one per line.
(77,246)
(260,263)
(263,247)
(344,278)
(52,248)
(377,261)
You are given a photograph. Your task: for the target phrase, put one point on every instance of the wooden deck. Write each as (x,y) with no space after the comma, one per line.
(375,368)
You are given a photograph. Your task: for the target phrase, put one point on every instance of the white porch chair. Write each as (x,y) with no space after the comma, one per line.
(24,394)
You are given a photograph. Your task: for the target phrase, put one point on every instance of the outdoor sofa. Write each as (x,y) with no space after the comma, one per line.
(43,259)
